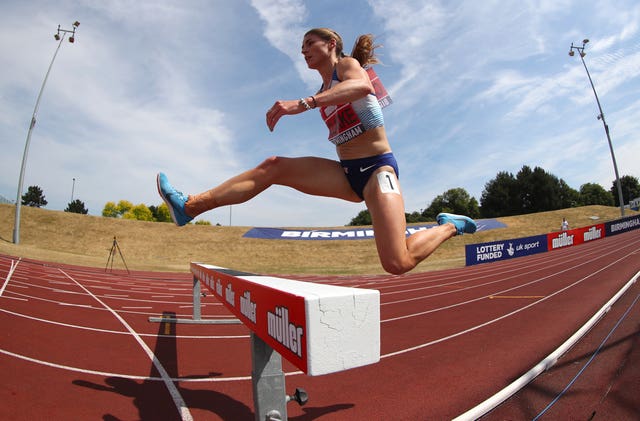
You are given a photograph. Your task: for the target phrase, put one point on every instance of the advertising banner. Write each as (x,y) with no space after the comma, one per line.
(623,225)
(504,249)
(355,233)
(575,236)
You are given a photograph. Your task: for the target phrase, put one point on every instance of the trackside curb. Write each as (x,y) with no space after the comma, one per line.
(548,362)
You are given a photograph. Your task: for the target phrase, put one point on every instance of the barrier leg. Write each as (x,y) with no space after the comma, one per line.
(269,396)
(196,298)
(197,314)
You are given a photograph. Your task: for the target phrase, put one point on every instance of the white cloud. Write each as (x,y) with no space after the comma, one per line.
(478,88)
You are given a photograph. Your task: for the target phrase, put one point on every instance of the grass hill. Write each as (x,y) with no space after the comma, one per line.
(87,240)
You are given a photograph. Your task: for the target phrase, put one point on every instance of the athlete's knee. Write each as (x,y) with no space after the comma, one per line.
(396,266)
(271,166)
(270,162)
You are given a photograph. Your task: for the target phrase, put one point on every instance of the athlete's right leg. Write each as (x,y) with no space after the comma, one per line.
(311,175)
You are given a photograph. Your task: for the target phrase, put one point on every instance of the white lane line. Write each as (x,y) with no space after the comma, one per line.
(14,265)
(32,297)
(122,297)
(497,319)
(76,305)
(548,362)
(130,376)
(117,332)
(171,387)
(534,281)
(14,298)
(102,287)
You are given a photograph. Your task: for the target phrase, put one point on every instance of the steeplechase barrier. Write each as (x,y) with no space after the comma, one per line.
(319,328)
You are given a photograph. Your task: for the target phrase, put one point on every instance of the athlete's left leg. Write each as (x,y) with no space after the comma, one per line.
(398,254)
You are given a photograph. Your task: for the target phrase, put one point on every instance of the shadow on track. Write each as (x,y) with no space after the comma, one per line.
(151,396)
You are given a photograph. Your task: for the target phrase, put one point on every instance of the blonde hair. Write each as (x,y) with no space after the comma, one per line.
(363,49)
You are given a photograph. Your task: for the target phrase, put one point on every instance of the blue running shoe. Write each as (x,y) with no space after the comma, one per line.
(174,199)
(463,224)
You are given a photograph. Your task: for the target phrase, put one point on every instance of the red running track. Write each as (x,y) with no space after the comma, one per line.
(76,343)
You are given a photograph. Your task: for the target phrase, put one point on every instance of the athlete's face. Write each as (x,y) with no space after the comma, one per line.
(317,51)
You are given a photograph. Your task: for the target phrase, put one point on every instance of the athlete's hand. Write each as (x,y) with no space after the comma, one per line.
(282,108)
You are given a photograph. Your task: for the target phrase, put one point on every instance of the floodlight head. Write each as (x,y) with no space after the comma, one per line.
(71,39)
(57,37)
(584,41)
(76,24)
(571,53)
(582,54)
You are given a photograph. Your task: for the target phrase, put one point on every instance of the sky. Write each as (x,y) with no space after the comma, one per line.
(182,87)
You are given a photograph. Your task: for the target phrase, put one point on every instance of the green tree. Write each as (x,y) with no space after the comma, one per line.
(630,189)
(533,188)
(528,192)
(453,201)
(540,191)
(160,213)
(124,206)
(34,197)
(110,210)
(363,218)
(500,196)
(113,210)
(77,206)
(595,194)
(139,212)
(569,197)
(414,217)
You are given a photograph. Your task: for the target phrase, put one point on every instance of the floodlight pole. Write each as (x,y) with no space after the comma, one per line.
(16,227)
(581,53)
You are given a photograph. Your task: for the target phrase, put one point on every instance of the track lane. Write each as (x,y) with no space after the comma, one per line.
(479,355)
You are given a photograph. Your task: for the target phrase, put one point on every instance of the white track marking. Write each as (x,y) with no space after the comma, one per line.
(14,298)
(116,332)
(11,270)
(171,387)
(548,362)
(128,376)
(471,329)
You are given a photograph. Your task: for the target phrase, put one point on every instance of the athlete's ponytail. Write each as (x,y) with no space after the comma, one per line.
(364,50)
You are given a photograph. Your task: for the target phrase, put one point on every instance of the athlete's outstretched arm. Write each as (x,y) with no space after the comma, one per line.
(355,84)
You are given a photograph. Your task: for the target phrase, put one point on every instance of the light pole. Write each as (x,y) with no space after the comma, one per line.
(73,187)
(60,38)
(600,117)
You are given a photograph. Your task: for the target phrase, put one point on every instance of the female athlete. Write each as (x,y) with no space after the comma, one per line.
(366,170)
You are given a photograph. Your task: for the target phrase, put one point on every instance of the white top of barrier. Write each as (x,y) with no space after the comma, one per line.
(319,328)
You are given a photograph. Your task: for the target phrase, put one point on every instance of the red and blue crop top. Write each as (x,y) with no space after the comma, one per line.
(347,121)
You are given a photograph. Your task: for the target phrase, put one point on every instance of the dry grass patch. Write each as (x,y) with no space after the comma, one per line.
(86,240)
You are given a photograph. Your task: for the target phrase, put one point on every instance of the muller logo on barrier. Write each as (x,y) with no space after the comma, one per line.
(318,328)
(277,318)
(282,330)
